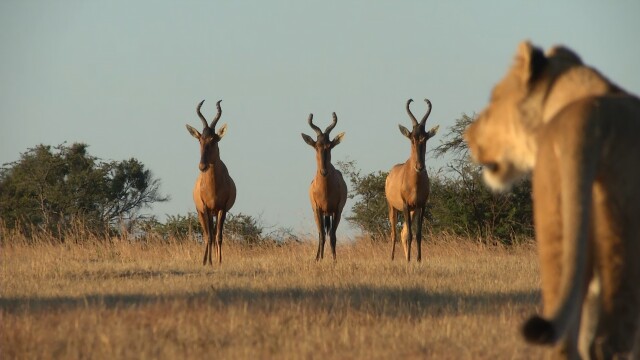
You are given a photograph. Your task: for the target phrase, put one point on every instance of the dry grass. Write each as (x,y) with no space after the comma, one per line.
(122,300)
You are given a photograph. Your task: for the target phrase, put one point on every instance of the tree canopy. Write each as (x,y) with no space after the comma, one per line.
(51,187)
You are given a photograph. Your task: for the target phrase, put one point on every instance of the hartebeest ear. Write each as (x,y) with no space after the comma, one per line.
(222,130)
(405,131)
(336,140)
(434,130)
(308,140)
(195,133)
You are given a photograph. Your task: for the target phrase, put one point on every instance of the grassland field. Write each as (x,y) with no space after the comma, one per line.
(124,300)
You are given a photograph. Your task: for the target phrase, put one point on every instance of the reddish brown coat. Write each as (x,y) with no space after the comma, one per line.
(214,192)
(407,186)
(328,191)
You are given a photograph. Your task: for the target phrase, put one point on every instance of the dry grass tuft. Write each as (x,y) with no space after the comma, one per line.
(133,300)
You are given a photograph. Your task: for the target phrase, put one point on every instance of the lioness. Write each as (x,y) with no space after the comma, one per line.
(580,135)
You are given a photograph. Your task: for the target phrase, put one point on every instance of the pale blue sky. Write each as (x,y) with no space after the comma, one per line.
(125,77)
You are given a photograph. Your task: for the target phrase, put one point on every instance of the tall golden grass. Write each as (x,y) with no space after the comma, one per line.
(120,299)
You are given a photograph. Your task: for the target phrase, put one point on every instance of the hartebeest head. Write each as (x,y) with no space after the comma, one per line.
(209,151)
(323,144)
(418,136)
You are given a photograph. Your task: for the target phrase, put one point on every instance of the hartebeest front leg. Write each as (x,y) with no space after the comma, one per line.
(321,233)
(335,220)
(420,215)
(209,233)
(212,237)
(222,215)
(393,220)
(407,242)
(202,217)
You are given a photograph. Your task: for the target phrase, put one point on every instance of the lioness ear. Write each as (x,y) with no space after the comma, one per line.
(195,133)
(222,130)
(531,62)
(404,131)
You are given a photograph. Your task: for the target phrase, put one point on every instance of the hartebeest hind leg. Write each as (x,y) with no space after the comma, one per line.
(222,215)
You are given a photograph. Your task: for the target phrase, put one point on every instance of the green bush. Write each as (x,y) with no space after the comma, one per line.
(53,188)
(240,227)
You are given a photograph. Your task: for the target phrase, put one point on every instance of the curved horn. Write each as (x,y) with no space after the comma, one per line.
(315,128)
(204,121)
(215,120)
(413,118)
(424,119)
(332,125)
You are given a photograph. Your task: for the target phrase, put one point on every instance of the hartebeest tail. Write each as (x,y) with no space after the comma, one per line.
(407,185)
(214,192)
(328,191)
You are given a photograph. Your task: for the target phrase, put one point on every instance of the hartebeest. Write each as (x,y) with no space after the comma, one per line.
(214,192)
(407,185)
(328,191)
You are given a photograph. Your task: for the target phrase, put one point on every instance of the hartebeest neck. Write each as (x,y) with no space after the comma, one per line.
(415,182)
(323,163)
(214,171)
(330,171)
(416,159)
(325,186)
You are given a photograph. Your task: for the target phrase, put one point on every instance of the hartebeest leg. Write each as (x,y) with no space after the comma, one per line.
(212,235)
(332,233)
(202,217)
(409,235)
(222,215)
(209,231)
(393,220)
(321,234)
(420,216)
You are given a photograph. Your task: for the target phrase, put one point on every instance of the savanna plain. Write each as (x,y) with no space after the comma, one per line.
(123,299)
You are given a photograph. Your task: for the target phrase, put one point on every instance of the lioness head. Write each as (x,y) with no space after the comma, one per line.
(503,138)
